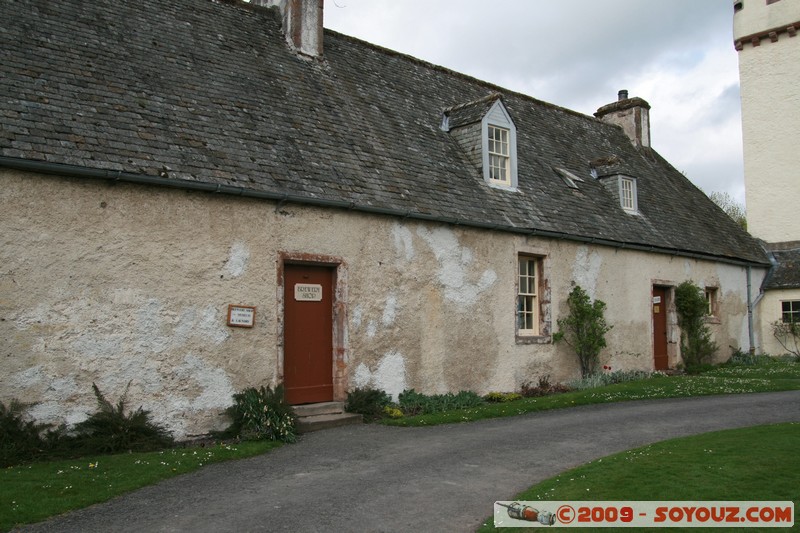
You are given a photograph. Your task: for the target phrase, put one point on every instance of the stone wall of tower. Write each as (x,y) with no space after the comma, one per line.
(769,67)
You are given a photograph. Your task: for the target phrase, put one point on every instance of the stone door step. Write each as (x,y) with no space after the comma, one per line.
(315,416)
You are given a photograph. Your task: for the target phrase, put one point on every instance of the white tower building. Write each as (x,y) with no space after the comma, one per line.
(765,34)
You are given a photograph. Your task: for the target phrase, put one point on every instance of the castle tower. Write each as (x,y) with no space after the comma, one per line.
(765,35)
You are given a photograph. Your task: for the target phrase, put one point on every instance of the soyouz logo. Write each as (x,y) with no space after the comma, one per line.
(644,514)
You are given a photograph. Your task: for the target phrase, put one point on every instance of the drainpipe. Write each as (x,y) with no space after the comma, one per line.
(750,330)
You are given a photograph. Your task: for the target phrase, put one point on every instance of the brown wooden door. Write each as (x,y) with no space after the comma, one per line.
(659,304)
(308,334)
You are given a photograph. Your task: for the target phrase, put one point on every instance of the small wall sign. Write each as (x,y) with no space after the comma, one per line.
(241,316)
(656,299)
(306,292)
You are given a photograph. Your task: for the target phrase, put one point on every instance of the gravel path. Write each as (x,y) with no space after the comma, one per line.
(444,478)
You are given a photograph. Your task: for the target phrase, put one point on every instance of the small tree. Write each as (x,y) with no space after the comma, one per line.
(584,328)
(732,208)
(788,334)
(696,343)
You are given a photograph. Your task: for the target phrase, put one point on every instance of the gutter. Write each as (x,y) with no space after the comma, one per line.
(76,171)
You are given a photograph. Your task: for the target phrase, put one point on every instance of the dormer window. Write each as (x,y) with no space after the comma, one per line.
(499,143)
(499,159)
(627,194)
(487,135)
(624,189)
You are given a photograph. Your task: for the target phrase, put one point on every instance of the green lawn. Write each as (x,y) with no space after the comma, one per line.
(33,492)
(752,464)
(764,377)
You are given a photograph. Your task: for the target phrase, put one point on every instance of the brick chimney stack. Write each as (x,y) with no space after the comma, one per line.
(631,114)
(302,24)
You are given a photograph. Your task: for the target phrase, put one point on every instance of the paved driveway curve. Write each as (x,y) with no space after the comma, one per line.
(444,478)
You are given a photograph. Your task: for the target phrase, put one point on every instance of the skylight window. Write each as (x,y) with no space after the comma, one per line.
(569,178)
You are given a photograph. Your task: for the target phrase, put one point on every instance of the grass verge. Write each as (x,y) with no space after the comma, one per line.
(750,464)
(33,492)
(765,377)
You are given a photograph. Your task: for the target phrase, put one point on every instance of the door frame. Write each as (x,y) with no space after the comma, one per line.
(339,349)
(673,333)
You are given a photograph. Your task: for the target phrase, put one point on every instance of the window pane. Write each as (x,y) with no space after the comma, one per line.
(527,304)
(791,311)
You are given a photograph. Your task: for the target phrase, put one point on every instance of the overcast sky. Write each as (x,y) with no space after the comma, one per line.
(676,54)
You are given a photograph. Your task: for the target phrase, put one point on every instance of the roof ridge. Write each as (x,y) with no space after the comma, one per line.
(472,79)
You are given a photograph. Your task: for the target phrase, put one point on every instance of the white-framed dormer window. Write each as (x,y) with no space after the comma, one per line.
(499,155)
(627,194)
(499,148)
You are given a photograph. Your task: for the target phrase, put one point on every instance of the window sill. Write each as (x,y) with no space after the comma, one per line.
(712,320)
(533,339)
(501,185)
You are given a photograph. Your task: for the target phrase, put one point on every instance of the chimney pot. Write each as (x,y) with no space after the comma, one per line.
(623,94)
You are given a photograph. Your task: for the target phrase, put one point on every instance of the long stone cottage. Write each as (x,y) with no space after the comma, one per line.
(201,195)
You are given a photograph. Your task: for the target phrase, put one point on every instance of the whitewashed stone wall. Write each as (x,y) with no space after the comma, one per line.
(124,284)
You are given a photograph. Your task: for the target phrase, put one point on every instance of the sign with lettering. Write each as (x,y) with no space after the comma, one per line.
(241,316)
(656,299)
(306,292)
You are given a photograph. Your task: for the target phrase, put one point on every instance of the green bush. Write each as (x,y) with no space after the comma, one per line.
(368,402)
(112,430)
(413,403)
(20,440)
(502,397)
(261,414)
(584,328)
(601,379)
(740,357)
(697,347)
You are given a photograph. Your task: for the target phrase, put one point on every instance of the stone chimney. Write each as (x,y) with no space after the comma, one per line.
(302,24)
(632,115)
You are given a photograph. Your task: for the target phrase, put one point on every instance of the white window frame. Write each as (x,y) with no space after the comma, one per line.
(631,206)
(528,295)
(499,154)
(498,118)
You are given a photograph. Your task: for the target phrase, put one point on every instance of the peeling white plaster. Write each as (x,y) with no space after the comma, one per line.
(454,261)
(389,311)
(238,258)
(357,316)
(687,268)
(362,376)
(130,345)
(586,270)
(403,241)
(389,375)
(217,387)
(211,326)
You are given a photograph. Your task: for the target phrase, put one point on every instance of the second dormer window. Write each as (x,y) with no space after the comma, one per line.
(627,194)
(499,155)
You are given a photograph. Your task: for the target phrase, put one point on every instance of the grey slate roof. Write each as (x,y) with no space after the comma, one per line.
(470,112)
(207,91)
(785,273)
